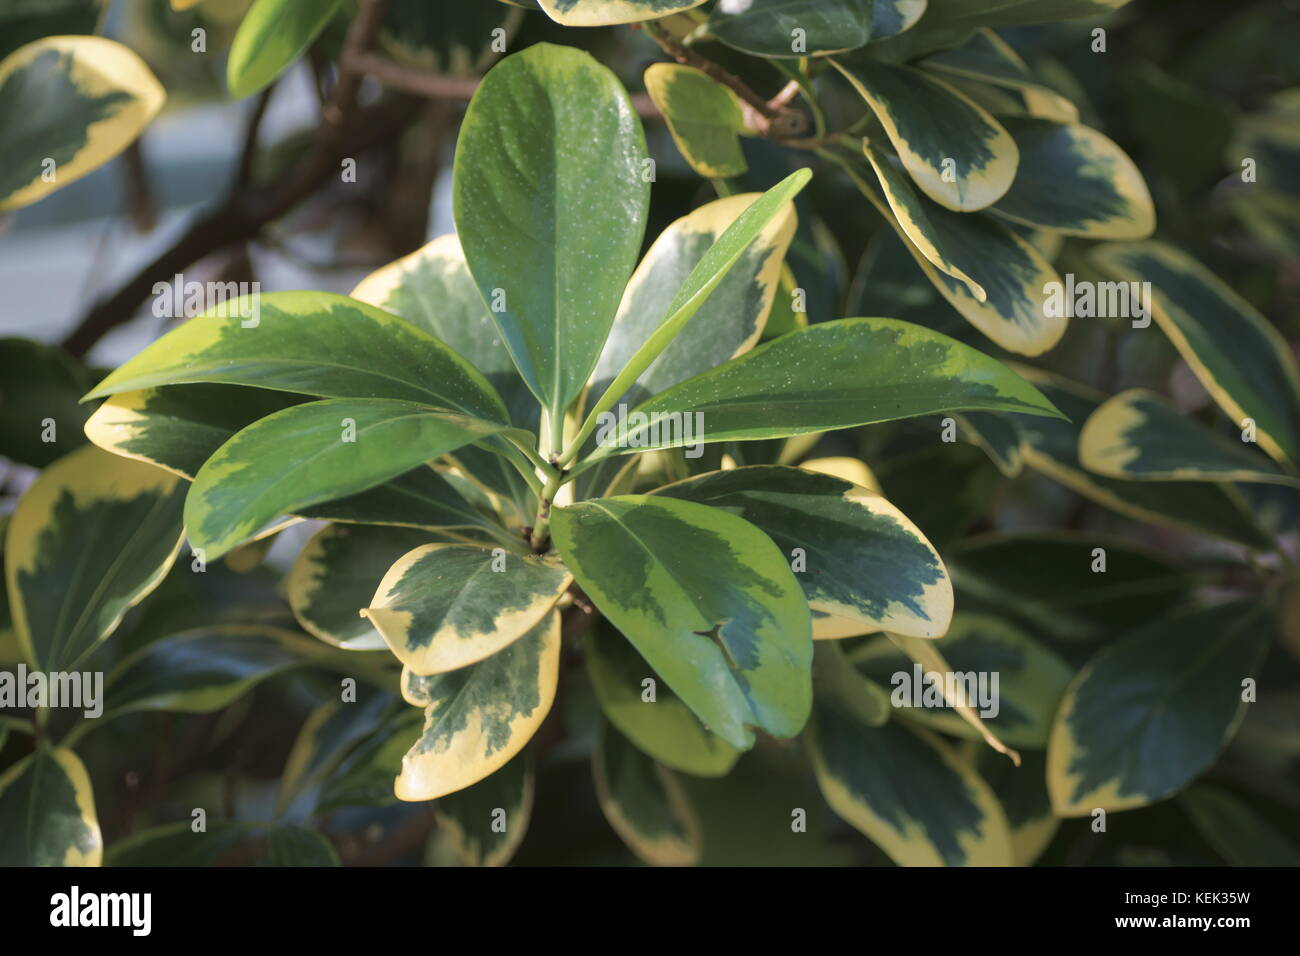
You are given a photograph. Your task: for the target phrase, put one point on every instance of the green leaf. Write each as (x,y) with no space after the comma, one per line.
(961,697)
(794,28)
(316,343)
(331,732)
(599,13)
(859,557)
(1140,436)
(1242,361)
(421,498)
(432,289)
(22,21)
(41,386)
(1075,181)
(705,276)
(1174,689)
(1016,12)
(482,715)
(311,453)
(365,776)
(650,715)
(178,427)
(993,277)
(957,153)
(998,437)
(90,538)
(199,671)
(289,845)
(272,35)
(1022,791)
(1052,447)
(550,198)
(944,488)
(49,811)
(1046,582)
(441,607)
(429,36)
(729,322)
(69,104)
(178,844)
(644,803)
(922,221)
(707,600)
(486,823)
(1239,834)
(830,375)
(703,116)
(1019,707)
(838,685)
(335,576)
(987,58)
(905,790)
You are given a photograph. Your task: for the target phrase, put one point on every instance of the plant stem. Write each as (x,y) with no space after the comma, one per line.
(542,525)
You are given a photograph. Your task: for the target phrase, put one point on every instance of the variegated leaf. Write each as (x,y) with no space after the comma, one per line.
(1053,449)
(178,427)
(846,372)
(486,823)
(1005,292)
(335,576)
(644,803)
(952,820)
(704,117)
(441,607)
(1245,365)
(855,555)
(706,598)
(1076,181)
(795,28)
(48,807)
(315,343)
(1140,436)
(987,58)
(980,649)
(599,13)
(431,288)
(90,538)
(482,715)
(648,712)
(1174,689)
(311,453)
(197,672)
(728,323)
(69,104)
(954,150)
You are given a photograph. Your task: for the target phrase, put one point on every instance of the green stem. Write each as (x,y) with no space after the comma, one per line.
(18,724)
(512,453)
(805,91)
(531,454)
(542,524)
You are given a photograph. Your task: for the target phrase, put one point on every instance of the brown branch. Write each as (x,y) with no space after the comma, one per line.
(455,88)
(683,54)
(344,132)
(773,118)
(244,172)
(139,197)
